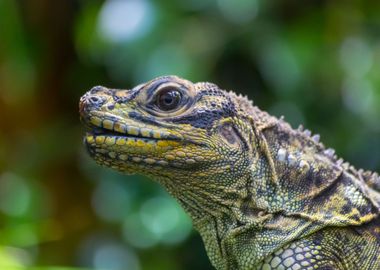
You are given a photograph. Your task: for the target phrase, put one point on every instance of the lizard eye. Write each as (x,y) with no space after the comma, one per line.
(168,99)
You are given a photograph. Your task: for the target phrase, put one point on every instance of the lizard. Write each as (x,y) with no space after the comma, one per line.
(261,194)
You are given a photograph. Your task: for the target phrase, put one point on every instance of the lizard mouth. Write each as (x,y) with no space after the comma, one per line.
(110,127)
(129,146)
(136,134)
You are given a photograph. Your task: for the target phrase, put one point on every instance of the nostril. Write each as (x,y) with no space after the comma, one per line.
(95,100)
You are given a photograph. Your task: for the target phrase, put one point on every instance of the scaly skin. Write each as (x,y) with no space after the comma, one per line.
(262,195)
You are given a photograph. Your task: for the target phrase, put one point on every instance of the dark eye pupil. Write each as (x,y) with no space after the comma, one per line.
(169,100)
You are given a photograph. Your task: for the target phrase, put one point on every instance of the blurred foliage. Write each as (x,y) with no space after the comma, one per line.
(315,62)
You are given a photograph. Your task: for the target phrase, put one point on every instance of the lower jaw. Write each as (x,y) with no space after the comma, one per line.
(119,150)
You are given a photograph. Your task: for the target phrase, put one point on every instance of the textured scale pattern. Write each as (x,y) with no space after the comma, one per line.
(261,194)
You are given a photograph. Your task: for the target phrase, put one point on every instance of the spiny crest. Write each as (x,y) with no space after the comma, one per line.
(372,179)
(243,102)
(283,156)
(263,120)
(306,134)
(247,110)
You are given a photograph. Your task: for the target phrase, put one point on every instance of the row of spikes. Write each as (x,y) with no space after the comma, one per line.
(371,178)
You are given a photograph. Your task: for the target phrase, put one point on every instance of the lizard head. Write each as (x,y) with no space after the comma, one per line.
(240,173)
(175,131)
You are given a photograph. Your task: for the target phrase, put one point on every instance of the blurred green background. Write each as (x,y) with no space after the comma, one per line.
(315,62)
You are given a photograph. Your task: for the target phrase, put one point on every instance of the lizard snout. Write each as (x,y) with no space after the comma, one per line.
(91,100)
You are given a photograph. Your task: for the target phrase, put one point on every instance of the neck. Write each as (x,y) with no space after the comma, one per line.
(293,182)
(312,186)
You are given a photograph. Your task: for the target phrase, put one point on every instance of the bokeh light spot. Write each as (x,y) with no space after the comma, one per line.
(15,195)
(239,11)
(160,220)
(358,95)
(164,218)
(165,60)
(136,234)
(356,57)
(111,201)
(115,257)
(125,20)
(14,257)
(159,215)
(279,66)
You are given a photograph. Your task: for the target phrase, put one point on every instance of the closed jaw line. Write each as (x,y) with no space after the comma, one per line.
(107,126)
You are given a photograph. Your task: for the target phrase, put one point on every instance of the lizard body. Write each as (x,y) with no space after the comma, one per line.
(261,194)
